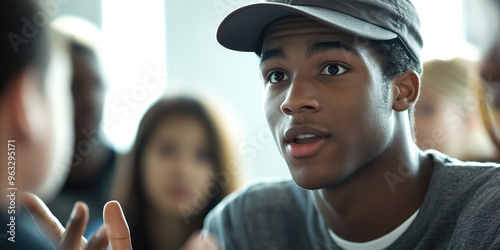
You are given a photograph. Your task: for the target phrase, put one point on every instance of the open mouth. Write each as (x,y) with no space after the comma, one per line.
(304,139)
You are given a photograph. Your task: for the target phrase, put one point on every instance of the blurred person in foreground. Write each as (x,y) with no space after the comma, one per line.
(181,166)
(38,128)
(447,116)
(35,110)
(340,80)
(93,165)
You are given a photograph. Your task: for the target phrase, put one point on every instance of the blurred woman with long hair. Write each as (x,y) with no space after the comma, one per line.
(181,166)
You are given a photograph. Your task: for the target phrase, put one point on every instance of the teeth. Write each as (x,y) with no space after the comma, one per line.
(300,137)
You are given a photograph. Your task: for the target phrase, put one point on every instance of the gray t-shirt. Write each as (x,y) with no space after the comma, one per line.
(461,210)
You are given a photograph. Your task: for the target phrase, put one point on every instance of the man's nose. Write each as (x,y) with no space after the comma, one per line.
(301,97)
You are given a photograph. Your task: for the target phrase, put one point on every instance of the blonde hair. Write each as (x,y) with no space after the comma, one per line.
(453,79)
(458,81)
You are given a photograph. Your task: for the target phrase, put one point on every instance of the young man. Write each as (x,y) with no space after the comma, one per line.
(340,80)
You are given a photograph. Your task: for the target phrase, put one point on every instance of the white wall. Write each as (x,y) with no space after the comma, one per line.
(88,9)
(134,62)
(442,29)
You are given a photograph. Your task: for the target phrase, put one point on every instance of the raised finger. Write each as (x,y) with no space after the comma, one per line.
(46,222)
(75,228)
(99,240)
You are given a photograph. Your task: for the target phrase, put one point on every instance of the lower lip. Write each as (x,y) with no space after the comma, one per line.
(305,150)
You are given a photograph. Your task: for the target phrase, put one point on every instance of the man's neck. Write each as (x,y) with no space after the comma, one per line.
(379,196)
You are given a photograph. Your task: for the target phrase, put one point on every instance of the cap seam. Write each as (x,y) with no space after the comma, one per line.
(399,17)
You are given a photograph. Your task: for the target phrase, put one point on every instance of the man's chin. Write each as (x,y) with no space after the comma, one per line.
(306,179)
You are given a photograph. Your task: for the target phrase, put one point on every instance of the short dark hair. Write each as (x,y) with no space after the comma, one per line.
(19,50)
(395,60)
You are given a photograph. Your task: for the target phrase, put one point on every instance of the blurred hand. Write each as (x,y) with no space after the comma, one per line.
(197,241)
(115,229)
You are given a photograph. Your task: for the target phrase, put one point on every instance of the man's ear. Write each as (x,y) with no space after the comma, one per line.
(406,89)
(19,101)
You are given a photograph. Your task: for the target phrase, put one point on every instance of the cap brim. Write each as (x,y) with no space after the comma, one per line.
(242,28)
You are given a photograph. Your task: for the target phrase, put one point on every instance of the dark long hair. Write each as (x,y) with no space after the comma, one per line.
(133,198)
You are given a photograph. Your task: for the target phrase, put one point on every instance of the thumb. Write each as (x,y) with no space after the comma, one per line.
(117,230)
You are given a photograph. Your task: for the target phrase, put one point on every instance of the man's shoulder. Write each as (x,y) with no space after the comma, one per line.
(461,205)
(455,174)
(261,200)
(467,186)
(267,213)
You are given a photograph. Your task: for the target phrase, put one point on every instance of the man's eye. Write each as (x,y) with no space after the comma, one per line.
(277,76)
(333,70)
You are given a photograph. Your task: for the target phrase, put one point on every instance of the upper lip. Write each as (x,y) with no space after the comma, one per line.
(293,132)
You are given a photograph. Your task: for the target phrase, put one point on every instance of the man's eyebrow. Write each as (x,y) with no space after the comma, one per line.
(270,54)
(325,46)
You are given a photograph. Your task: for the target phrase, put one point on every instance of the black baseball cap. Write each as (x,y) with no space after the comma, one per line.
(242,29)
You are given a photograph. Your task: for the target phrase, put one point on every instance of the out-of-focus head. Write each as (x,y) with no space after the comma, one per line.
(177,163)
(490,66)
(87,83)
(445,106)
(181,158)
(484,31)
(34,92)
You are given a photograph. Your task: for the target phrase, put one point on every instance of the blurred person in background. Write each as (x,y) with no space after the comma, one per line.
(181,166)
(490,68)
(446,114)
(35,113)
(93,160)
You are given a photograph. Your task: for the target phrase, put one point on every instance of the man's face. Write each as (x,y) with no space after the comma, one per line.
(324,100)
(88,93)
